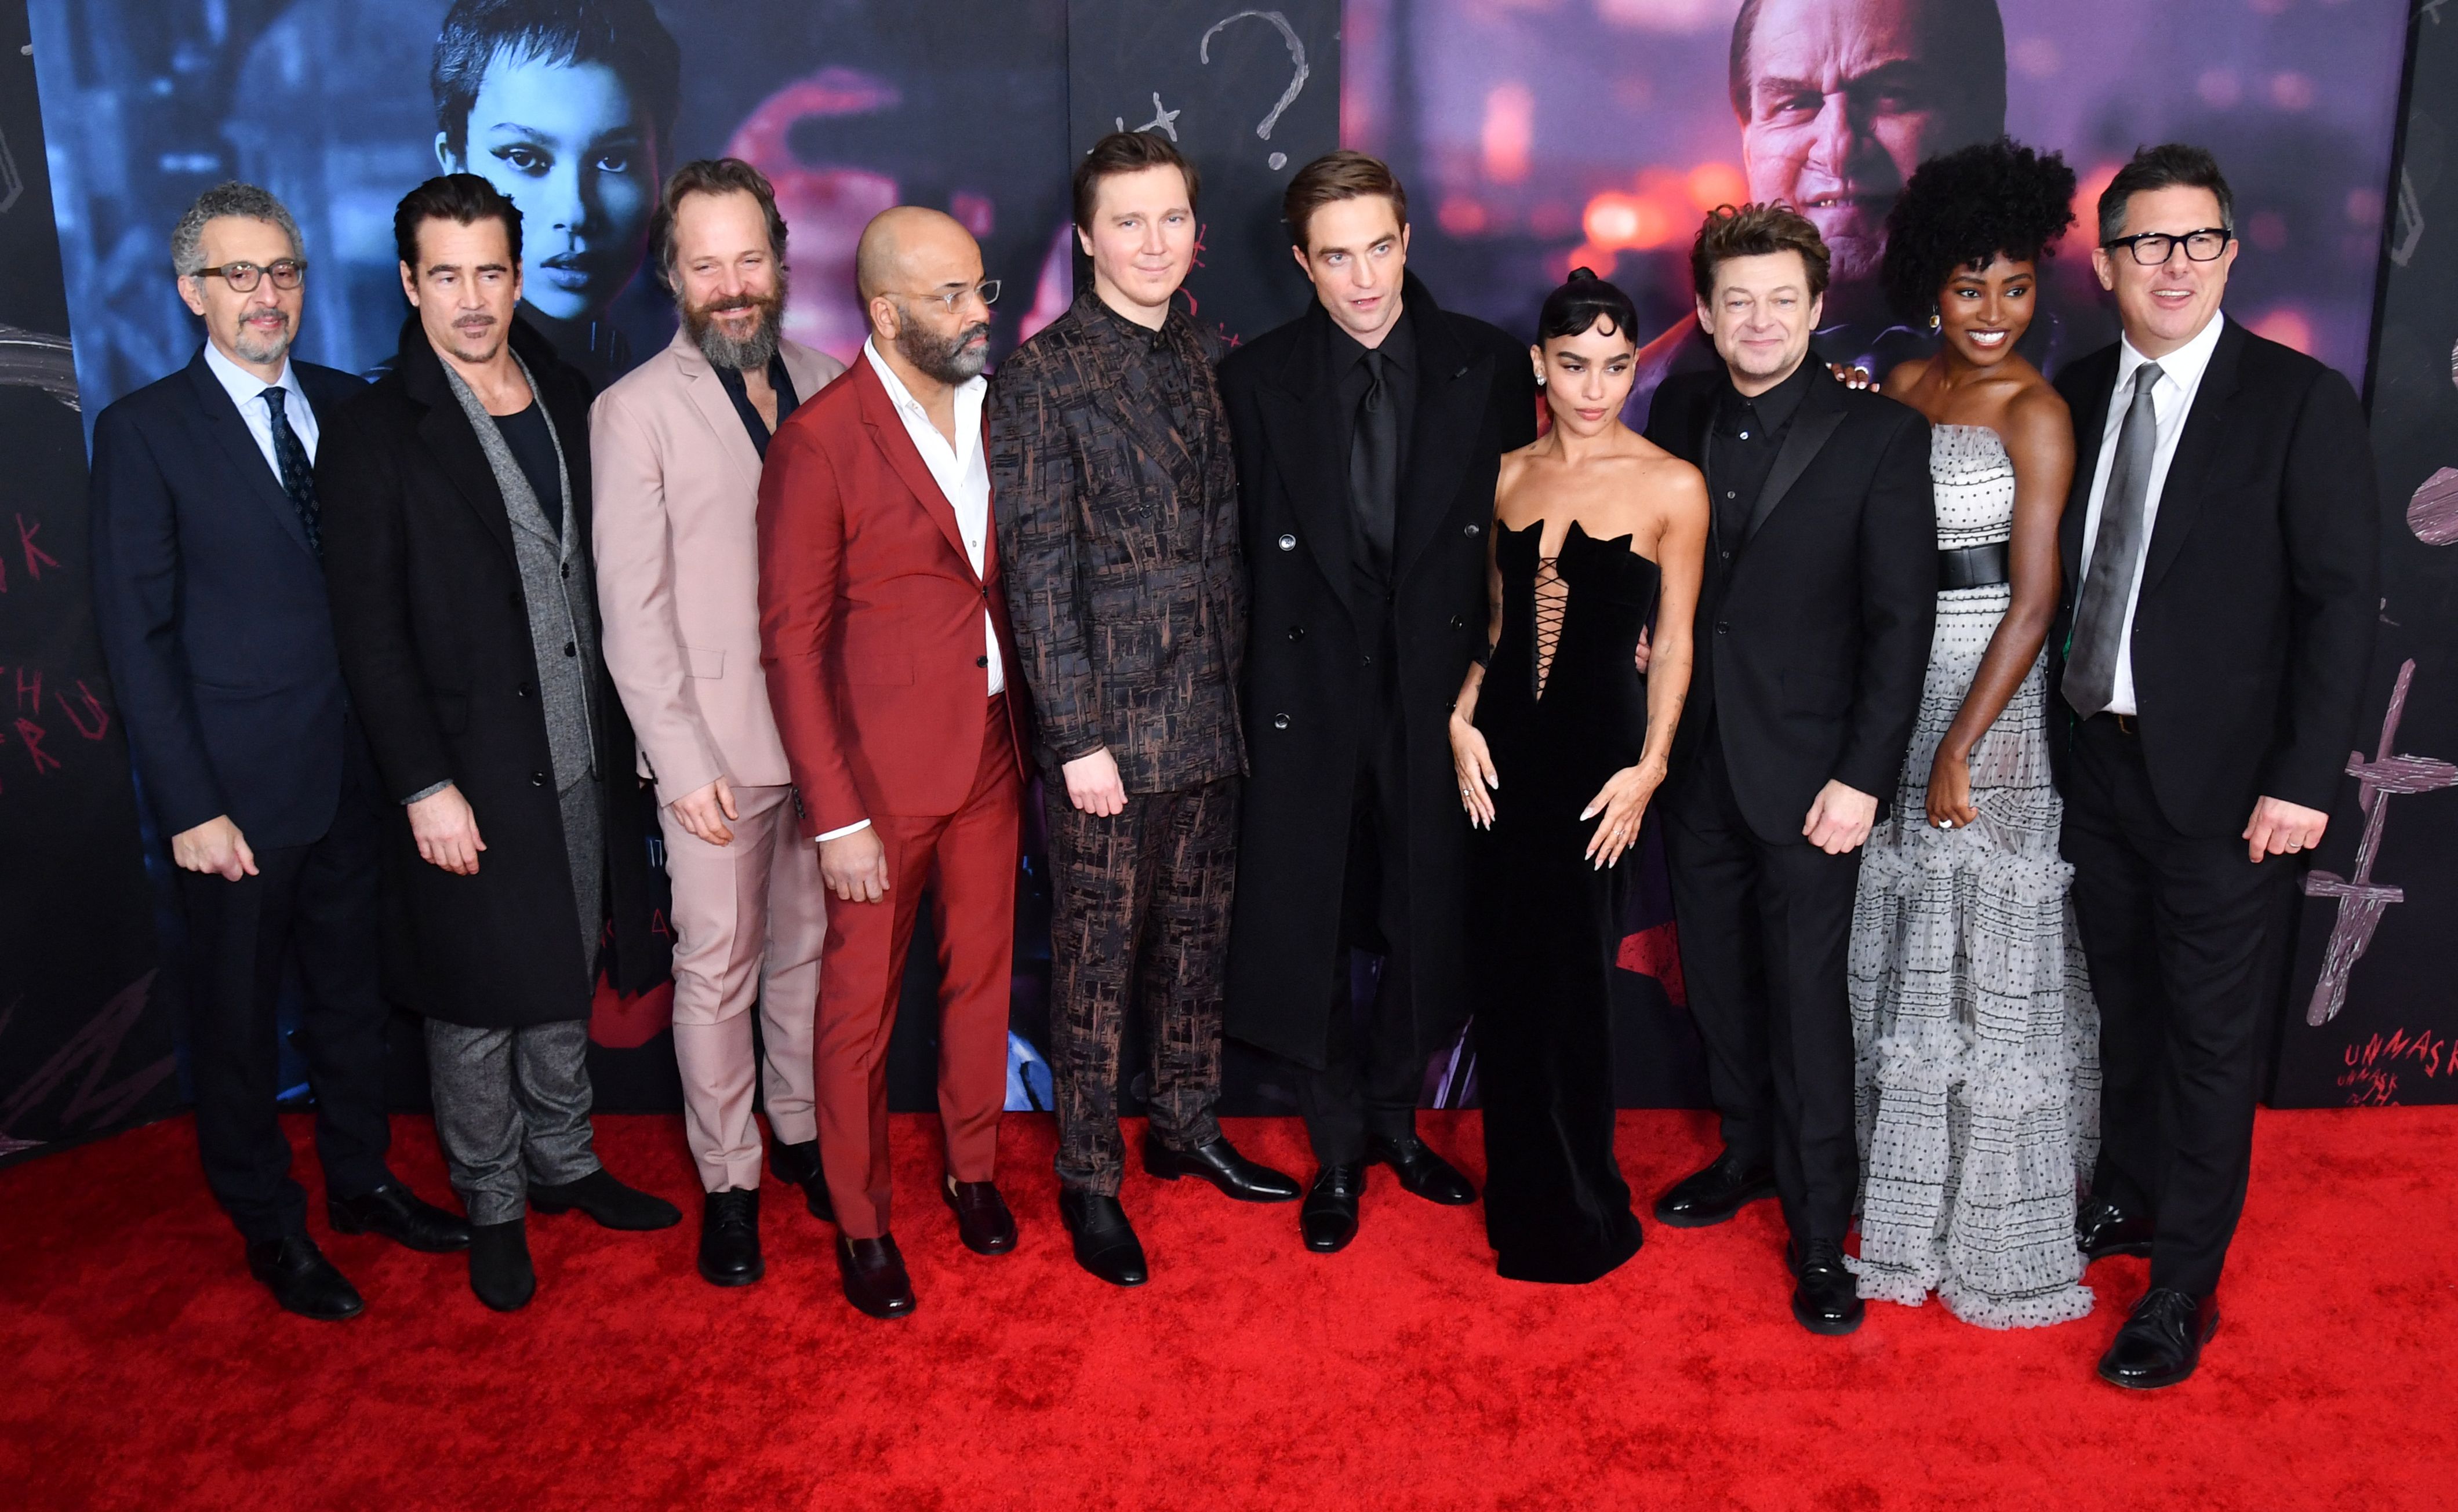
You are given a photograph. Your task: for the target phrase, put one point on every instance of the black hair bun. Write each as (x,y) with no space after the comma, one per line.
(1583,275)
(1581,302)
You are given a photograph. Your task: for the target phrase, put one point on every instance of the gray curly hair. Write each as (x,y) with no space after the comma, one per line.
(244,201)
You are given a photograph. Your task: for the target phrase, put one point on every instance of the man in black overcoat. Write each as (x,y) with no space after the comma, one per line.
(1813,633)
(457,544)
(1368,432)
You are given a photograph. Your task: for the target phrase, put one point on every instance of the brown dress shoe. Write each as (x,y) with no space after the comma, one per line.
(982,1217)
(875,1281)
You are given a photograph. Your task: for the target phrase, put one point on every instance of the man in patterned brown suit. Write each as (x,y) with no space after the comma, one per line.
(1117,518)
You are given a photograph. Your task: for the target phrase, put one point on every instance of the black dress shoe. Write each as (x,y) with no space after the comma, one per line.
(2162,1342)
(729,1238)
(395,1211)
(2102,1229)
(1328,1220)
(613,1204)
(302,1280)
(875,1281)
(982,1219)
(499,1265)
(1705,1198)
(1422,1173)
(1217,1161)
(798,1165)
(1828,1300)
(1105,1241)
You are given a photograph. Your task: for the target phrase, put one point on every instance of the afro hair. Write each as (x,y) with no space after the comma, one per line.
(1966,207)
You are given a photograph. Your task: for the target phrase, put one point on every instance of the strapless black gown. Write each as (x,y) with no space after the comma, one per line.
(1545,923)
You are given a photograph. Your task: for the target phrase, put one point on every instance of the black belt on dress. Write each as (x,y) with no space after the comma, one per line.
(1972,567)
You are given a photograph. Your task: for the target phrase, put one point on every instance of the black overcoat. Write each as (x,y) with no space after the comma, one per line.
(1306,680)
(434,635)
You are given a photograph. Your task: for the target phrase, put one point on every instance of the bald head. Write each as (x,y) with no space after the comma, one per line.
(905,248)
(920,275)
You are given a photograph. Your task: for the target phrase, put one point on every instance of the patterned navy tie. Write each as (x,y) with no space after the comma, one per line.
(298,477)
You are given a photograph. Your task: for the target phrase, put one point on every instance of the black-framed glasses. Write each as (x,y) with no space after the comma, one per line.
(2152,248)
(243,277)
(988,289)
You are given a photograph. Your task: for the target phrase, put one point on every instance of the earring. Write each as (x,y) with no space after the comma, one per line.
(1934,321)
(1540,379)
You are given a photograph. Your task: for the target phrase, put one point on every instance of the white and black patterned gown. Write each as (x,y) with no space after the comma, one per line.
(1977,1083)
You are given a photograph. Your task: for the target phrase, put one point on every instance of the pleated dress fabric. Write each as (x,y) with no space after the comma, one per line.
(1544,925)
(1977,1075)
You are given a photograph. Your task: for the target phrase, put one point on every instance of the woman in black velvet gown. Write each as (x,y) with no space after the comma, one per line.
(1559,742)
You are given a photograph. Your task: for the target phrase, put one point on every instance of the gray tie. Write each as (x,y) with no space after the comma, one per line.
(2115,557)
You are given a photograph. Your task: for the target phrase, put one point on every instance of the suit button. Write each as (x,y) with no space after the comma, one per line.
(537,779)
(1459,622)
(1724,555)
(1288,543)
(1720,627)
(985,590)
(570,649)
(1279,721)
(1473,530)
(1297,633)
(1369,661)
(567,569)
(981,661)
(521,692)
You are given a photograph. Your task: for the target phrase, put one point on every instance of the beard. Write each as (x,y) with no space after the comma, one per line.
(947,359)
(751,353)
(253,347)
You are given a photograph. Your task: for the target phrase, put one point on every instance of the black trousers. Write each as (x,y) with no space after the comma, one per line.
(1765,930)
(2184,936)
(320,899)
(1372,1072)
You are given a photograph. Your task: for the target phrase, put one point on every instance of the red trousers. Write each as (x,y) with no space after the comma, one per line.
(966,862)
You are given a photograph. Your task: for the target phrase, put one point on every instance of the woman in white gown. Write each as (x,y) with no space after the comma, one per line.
(1977,1079)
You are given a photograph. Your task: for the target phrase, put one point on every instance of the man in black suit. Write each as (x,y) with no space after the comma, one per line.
(213,615)
(1813,631)
(1368,435)
(464,603)
(2219,553)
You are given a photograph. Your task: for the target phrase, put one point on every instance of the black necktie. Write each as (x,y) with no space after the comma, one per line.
(1374,469)
(298,478)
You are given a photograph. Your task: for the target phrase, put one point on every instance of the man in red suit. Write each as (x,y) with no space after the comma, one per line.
(882,626)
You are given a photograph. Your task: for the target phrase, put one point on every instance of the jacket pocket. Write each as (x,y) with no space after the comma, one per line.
(705,662)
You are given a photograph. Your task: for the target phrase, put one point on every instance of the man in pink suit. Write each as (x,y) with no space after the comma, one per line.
(676,449)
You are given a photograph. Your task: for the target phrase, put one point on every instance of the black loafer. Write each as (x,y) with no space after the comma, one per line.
(395,1211)
(874,1275)
(2162,1342)
(1705,1198)
(1828,1300)
(1422,1173)
(613,1204)
(2102,1229)
(982,1221)
(302,1280)
(1105,1241)
(798,1165)
(500,1272)
(1217,1161)
(1328,1220)
(729,1238)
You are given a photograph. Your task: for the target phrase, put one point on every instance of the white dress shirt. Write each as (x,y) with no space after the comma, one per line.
(963,475)
(247,391)
(2171,400)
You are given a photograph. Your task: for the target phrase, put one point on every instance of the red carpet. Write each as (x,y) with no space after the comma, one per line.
(149,1372)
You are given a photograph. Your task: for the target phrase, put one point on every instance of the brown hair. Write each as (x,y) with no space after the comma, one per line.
(1127,153)
(710,176)
(1756,230)
(1334,176)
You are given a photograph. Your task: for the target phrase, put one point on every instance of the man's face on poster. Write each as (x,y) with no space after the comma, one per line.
(1846,98)
(570,145)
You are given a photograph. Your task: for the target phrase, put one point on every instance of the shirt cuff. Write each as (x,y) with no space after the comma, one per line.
(427,792)
(838,835)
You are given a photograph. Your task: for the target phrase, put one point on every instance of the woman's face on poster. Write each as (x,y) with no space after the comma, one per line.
(568,145)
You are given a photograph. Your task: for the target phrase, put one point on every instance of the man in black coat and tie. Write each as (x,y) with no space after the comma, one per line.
(457,541)
(1367,432)
(2219,552)
(211,607)
(1813,635)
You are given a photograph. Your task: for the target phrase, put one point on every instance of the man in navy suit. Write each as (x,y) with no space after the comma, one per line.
(212,604)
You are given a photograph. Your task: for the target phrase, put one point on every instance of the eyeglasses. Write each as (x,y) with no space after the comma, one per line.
(2152,248)
(242,276)
(988,289)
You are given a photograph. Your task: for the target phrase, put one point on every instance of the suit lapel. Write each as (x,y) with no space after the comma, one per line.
(1126,399)
(716,409)
(237,444)
(1822,410)
(2182,493)
(895,442)
(2091,427)
(1301,435)
(1452,389)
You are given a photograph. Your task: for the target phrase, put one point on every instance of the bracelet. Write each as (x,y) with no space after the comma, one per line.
(1484,658)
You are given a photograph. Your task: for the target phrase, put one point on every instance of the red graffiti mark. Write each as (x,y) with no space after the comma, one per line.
(30,735)
(2372,1076)
(93,722)
(625,1021)
(30,690)
(36,558)
(658,925)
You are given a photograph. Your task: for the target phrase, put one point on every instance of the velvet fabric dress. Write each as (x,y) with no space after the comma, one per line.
(1562,708)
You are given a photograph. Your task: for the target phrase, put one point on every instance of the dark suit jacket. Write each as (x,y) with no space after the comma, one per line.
(213,611)
(1309,689)
(2255,622)
(1813,631)
(434,633)
(1121,542)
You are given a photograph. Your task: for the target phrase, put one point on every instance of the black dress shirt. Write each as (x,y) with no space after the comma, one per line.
(1741,449)
(735,389)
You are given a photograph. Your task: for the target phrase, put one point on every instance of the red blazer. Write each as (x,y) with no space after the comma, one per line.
(871,615)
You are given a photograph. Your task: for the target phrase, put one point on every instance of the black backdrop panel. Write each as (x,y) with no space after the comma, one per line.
(2371,1017)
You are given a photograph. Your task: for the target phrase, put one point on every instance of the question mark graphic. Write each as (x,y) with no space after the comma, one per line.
(1297,81)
